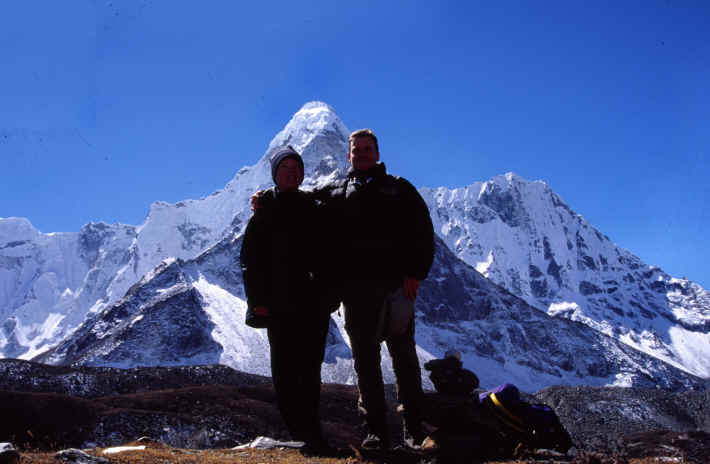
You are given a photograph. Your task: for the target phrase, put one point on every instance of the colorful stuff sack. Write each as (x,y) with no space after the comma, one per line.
(536,426)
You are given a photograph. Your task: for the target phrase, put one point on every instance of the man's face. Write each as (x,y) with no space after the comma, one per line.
(363,154)
(289,175)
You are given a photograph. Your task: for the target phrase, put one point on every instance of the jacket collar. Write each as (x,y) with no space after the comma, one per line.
(378,170)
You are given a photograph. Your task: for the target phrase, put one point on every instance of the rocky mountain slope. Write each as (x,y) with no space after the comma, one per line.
(169,292)
(192,312)
(49,282)
(524,237)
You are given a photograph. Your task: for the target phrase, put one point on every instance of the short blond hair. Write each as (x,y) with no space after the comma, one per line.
(363,133)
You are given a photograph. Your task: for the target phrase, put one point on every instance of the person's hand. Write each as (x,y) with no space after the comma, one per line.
(255,203)
(261,311)
(410,287)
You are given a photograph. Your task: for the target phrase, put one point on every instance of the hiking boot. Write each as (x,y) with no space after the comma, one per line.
(375,442)
(413,438)
(318,449)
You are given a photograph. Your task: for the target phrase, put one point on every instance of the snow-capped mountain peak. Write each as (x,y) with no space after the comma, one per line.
(48,282)
(15,229)
(523,236)
(318,134)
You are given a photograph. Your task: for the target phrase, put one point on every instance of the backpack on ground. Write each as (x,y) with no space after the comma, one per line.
(536,426)
(449,376)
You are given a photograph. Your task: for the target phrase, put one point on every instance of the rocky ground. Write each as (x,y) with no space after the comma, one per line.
(140,452)
(212,408)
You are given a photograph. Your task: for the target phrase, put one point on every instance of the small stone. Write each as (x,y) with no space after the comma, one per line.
(9,454)
(147,440)
(429,444)
(75,456)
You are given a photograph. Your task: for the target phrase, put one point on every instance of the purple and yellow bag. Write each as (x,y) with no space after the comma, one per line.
(534,425)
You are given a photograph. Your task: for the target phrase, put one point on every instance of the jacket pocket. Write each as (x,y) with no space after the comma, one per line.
(400,312)
(255,321)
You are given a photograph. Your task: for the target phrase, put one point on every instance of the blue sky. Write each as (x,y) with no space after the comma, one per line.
(107,106)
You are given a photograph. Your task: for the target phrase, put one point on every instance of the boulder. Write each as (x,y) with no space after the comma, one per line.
(76,456)
(262,442)
(8,454)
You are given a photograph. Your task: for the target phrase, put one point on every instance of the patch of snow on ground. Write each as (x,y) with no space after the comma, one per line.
(121,449)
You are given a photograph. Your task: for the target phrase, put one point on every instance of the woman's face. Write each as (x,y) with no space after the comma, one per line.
(289,175)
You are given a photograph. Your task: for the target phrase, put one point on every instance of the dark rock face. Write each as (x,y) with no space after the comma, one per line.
(194,236)
(600,418)
(588,288)
(539,288)
(504,203)
(534,271)
(91,236)
(94,382)
(481,215)
(455,292)
(553,269)
(221,262)
(13,347)
(140,338)
(446,294)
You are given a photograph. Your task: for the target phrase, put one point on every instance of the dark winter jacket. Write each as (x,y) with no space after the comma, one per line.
(281,257)
(384,229)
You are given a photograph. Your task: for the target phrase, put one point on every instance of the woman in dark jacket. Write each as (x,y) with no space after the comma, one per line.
(281,266)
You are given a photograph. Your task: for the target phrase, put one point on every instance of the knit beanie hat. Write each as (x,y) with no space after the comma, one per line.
(280,155)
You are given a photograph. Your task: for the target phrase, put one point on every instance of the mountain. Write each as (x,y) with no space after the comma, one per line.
(192,312)
(48,282)
(524,237)
(169,291)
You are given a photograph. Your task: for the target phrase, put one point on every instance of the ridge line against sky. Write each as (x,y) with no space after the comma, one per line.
(110,106)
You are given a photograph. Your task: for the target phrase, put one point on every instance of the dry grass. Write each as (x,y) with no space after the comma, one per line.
(180,456)
(156,453)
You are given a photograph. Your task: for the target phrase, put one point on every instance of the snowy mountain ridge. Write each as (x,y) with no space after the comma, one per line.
(519,234)
(192,312)
(524,237)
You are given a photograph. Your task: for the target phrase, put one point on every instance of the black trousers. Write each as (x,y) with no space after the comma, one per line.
(367,327)
(297,348)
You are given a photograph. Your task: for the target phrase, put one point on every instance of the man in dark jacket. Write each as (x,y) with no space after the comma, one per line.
(388,242)
(281,262)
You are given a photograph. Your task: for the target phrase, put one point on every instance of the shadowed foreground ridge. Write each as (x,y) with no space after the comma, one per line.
(215,407)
